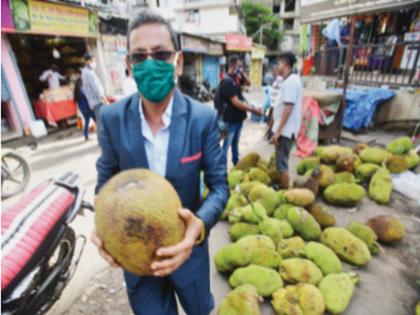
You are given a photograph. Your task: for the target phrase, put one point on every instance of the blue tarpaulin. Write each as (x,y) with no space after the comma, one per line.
(361,105)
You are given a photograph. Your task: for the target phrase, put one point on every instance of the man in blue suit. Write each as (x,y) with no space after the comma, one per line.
(169,133)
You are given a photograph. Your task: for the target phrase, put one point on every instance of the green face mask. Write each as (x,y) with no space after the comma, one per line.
(155,79)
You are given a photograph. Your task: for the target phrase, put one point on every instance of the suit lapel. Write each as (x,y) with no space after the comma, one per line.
(176,134)
(135,133)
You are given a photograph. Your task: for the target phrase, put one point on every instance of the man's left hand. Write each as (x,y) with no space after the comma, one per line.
(275,138)
(174,256)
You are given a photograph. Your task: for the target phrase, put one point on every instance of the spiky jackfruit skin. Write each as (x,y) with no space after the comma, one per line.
(330,154)
(286,228)
(291,247)
(388,228)
(241,229)
(337,290)
(344,194)
(262,165)
(307,164)
(246,187)
(344,177)
(230,257)
(365,171)
(327,177)
(304,223)
(412,159)
(366,234)
(281,195)
(380,186)
(400,146)
(374,155)
(272,228)
(257,174)
(323,257)
(347,246)
(397,164)
(295,270)
(300,197)
(248,161)
(235,201)
(281,212)
(235,177)
(266,258)
(300,299)
(251,213)
(252,242)
(244,300)
(265,280)
(359,147)
(266,196)
(346,163)
(318,150)
(322,215)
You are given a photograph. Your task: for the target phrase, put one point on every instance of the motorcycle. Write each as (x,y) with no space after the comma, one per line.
(198,91)
(39,247)
(15,173)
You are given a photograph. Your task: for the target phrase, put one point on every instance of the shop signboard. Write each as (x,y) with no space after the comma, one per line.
(193,44)
(258,52)
(317,10)
(238,42)
(6,16)
(215,49)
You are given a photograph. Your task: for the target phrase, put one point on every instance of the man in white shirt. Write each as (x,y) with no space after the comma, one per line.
(286,115)
(52,76)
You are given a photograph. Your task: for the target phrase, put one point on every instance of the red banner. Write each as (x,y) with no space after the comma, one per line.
(238,42)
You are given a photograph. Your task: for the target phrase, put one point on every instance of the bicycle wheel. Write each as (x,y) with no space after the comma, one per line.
(15,174)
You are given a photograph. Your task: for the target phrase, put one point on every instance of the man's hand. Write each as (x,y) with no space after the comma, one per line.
(175,256)
(275,138)
(257,111)
(98,243)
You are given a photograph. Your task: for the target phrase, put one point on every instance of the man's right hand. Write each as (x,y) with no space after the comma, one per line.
(98,243)
(257,111)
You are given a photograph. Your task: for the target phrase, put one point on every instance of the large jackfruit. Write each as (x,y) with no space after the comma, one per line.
(241,229)
(412,159)
(366,234)
(322,215)
(262,165)
(300,197)
(235,177)
(307,164)
(291,247)
(248,161)
(330,154)
(344,177)
(359,147)
(344,194)
(323,257)
(252,242)
(281,212)
(235,201)
(304,223)
(257,174)
(300,299)
(365,171)
(295,270)
(400,146)
(243,300)
(347,246)
(337,290)
(374,155)
(252,213)
(380,186)
(265,280)
(266,258)
(327,177)
(397,164)
(318,150)
(246,187)
(230,257)
(266,196)
(388,228)
(272,228)
(286,228)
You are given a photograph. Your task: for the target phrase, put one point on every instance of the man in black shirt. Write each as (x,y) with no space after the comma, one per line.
(234,107)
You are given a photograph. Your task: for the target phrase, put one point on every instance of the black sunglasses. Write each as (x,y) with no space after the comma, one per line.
(162,55)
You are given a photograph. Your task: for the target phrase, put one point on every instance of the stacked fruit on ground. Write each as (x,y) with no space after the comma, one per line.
(285,245)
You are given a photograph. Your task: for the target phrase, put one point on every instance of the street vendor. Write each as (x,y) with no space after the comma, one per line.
(52,76)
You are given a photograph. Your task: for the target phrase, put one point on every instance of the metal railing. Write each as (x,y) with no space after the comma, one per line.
(373,64)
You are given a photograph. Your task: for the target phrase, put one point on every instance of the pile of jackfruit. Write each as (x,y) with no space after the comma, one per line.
(285,246)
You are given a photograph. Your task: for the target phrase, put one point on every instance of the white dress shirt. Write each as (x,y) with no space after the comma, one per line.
(53,78)
(156,146)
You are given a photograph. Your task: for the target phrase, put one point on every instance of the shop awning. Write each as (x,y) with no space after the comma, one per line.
(238,42)
(201,44)
(318,10)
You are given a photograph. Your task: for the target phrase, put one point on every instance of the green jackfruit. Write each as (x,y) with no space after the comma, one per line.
(366,234)
(235,201)
(235,177)
(374,155)
(257,174)
(262,165)
(344,194)
(412,159)
(248,161)
(322,215)
(307,164)
(272,228)
(323,257)
(300,197)
(400,146)
(397,164)
(327,177)
(318,150)
(245,187)
(266,258)
(294,270)
(266,196)
(380,186)
(300,299)
(331,153)
(291,247)
(265,280)
(244,300)
(347,246)
(281,196)
(286,228)
(418,308)
(365,171)
(388,228)
(231,256)
(359,147)
(252,242)
(344,177)
(281,212)
(252,213)
(241,229)
(304,223)
(337,290)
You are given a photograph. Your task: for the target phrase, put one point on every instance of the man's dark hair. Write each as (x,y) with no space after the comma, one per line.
(288,57)
(233,60)
(87,56)
(149,17)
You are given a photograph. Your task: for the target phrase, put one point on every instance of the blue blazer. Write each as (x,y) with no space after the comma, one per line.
(193,147)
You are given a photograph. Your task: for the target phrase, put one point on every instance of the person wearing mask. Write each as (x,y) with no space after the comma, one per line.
(177,137)
(129,85)
(83,105)
(53,77)
(286,115)
(92,87)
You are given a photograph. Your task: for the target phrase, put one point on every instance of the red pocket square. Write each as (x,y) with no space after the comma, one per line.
(191,158)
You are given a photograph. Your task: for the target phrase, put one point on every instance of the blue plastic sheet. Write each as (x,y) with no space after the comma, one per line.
(361,106)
